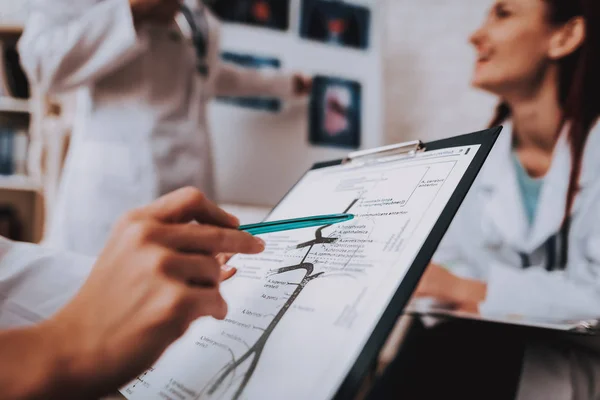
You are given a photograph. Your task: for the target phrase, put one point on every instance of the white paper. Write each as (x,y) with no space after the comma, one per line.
(301,312)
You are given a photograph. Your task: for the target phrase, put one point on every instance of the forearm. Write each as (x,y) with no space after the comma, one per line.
(29,364)
(238,81)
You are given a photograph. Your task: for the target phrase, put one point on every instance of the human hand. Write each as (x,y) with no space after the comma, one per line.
(156,275)
(159,11)
(302,85)
(442,285)
(226,270)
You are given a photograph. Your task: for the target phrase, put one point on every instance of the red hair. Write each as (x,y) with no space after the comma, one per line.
(579,84)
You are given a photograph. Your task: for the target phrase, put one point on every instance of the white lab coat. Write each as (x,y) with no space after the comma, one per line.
(490,234)
(143,131)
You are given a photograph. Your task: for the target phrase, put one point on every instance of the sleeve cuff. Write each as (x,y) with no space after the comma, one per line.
(36,282)
(506,293)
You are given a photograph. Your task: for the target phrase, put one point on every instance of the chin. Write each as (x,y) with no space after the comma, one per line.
(487,85)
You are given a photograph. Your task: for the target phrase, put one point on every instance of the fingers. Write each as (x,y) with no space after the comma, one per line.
(196,270)
(307,82)
(182,304)
(189,204)
(224,258)
(207,239)
(227,272)
(206,302)
(302,84)
(472,308)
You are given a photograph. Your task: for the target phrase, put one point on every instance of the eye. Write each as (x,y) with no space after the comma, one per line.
(500,11)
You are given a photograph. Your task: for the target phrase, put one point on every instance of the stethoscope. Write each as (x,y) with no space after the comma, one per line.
(556,248)
(197,31)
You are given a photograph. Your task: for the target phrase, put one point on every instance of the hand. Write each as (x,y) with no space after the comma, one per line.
(156,275)
(302,85)
(226,271)
(159,11)
(439,283)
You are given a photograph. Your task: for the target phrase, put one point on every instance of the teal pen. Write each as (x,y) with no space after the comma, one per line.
(297,223)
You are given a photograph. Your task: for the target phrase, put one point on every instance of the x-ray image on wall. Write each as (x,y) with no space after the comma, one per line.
(335,112)
(335,22)
(252,61)
(272,14)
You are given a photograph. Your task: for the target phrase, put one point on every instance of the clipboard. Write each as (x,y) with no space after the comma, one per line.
(587,327)
(368,357)
(357,364)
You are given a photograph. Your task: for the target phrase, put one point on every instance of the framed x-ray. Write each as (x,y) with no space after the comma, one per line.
(271,14)
(336,23)
(335,112)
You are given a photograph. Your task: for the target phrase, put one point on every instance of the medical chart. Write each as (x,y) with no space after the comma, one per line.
(301,312)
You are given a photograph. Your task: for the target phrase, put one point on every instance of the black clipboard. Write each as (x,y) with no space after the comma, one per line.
(368,356)
(587,327)
(353,382)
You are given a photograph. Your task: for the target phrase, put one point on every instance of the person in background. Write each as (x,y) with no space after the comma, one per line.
(78,327)
(526,240)
(144,81)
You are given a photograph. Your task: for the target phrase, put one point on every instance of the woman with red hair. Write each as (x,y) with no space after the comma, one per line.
(526,241)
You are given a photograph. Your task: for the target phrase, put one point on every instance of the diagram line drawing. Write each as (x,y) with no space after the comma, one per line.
(254,353)
(319,239)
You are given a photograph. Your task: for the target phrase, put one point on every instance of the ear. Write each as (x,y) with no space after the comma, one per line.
(568,38)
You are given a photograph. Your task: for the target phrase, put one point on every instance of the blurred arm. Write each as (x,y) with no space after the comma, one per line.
(66,45)
(238,81)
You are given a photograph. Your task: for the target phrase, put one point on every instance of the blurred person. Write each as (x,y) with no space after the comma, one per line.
(144,88)
(78,327)
(526,241)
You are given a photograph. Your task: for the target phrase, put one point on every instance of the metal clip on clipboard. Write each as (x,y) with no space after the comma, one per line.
(386,153)
(591,327)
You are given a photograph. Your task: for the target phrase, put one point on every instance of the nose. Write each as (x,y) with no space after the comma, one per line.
(477,37)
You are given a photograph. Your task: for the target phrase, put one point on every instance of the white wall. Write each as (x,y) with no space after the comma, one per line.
(259,155)
(13,11)
(428,63)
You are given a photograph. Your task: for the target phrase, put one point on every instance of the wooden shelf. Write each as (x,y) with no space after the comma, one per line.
(11,28)
(12,105)
(18,183)
(21,194)
(10,31)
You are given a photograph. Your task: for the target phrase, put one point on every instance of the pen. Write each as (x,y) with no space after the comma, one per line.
(296,223)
